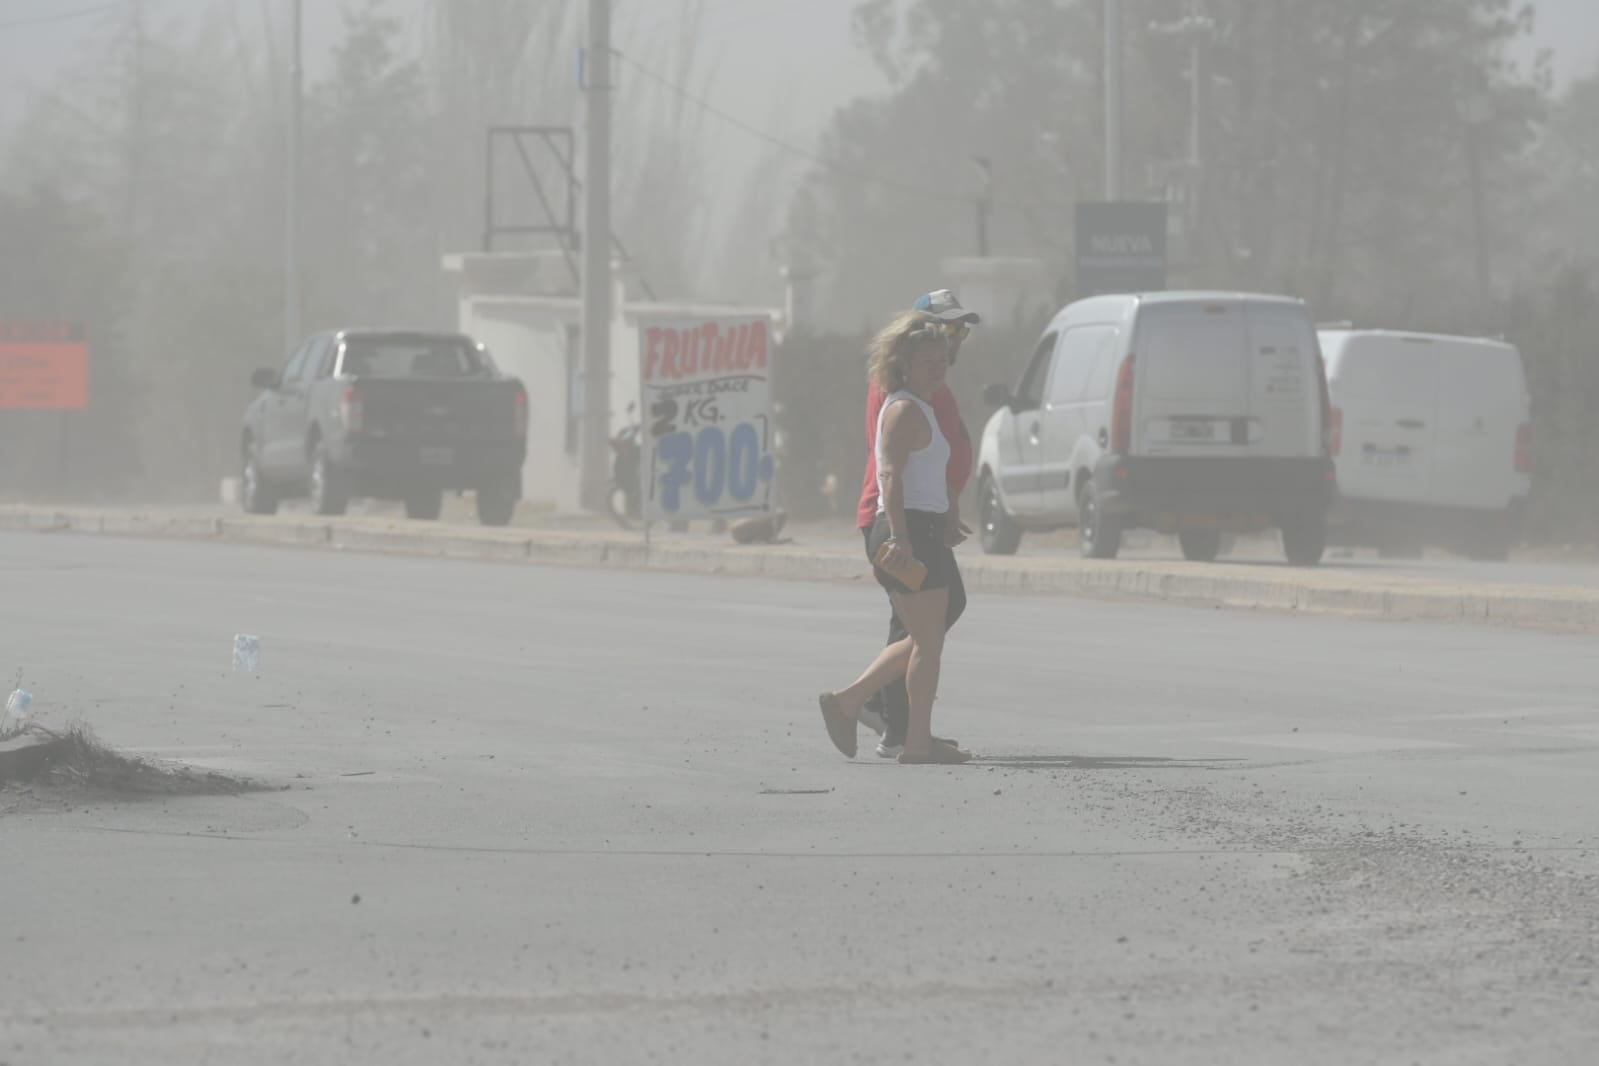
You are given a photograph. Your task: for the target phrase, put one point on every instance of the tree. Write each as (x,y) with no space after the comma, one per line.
(374,250)
(1364,154)
(75,270)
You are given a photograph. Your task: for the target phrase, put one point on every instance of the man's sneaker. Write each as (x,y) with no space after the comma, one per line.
(885,750)
(872,719)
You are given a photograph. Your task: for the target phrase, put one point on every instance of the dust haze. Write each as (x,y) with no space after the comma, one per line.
(1423,166)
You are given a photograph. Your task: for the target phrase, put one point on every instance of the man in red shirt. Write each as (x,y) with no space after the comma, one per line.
(888,712)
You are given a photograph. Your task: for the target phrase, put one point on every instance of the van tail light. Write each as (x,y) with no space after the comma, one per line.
(1524,448)
(521,412)
(1121,414)
(352,410)
(1332,418)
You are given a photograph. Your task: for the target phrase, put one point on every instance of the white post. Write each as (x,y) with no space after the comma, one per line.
(1113,99)
(291,179)
(594,462)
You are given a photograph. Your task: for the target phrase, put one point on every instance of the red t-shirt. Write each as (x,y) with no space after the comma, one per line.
(949,423)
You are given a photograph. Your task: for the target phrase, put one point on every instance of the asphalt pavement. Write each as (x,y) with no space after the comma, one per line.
(533,814)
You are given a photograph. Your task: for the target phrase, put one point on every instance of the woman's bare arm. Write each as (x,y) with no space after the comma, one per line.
(903,426)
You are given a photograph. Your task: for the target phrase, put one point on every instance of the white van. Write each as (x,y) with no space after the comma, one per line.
(1195,413)
(1432,442)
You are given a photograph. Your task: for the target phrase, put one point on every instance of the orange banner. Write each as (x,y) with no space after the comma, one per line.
(43,366)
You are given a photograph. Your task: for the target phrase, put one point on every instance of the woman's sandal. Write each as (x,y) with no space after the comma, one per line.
(937,755)
(840,726)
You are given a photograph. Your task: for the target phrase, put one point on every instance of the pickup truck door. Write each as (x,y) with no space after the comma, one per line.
(296,398)
(276,457)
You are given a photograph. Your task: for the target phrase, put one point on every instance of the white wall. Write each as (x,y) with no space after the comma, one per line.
(530,343)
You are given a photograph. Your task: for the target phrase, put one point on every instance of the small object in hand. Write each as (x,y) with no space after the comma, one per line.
(910,574)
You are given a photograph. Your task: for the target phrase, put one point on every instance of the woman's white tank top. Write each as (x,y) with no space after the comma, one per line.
(926,475)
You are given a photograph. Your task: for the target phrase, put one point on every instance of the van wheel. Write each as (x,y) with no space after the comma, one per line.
(1099,536)
(998,533)
(1200,545)
(1401,546)
(424,506)
(1305,541)
(1490,544)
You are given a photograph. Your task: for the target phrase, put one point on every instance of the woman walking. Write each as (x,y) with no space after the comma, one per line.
(908,361)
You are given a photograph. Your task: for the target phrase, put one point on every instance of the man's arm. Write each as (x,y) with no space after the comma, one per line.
(947,411)
(866,510)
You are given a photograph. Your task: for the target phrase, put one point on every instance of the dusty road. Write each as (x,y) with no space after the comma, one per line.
(547,815)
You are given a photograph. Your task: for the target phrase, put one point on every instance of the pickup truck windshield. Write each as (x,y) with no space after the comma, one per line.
(411,357)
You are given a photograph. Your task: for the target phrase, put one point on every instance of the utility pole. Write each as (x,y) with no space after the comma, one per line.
(596,330)
(136,126)
(1113,99)
(1198,29)
(291,191)
(985,201)
(1477,114)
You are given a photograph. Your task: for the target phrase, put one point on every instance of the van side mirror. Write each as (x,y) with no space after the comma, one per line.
(265,379)
(997,396)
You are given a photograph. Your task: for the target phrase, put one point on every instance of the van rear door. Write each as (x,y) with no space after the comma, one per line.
(1387,388)
(1226,378)
(1482,401)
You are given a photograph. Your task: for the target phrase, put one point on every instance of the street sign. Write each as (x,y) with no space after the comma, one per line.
(1121,247)
(707,414)
(43,366)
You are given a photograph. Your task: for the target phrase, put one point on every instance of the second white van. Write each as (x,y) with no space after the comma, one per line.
(1194,413)
(1432,441)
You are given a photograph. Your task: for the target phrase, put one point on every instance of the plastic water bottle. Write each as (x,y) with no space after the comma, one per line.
(246,652)
(16,716)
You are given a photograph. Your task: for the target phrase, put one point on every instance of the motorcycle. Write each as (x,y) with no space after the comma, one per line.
(625,496)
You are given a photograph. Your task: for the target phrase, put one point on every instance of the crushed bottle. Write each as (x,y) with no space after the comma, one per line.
(16,716)
(246,652)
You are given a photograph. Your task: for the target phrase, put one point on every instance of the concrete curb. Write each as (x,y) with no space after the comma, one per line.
(1319,592)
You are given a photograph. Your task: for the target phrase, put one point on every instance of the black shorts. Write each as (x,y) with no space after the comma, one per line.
(926,530)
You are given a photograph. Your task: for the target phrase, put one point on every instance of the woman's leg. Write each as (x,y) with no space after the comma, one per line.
(890,663)
(924,615)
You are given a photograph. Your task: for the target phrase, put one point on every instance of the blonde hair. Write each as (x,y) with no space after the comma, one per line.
(888,356)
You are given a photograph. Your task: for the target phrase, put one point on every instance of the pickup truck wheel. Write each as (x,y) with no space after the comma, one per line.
(254,493)
(1200,545)
(496,507)
(1099,536)
(329,495)
(424,506)
(998,532)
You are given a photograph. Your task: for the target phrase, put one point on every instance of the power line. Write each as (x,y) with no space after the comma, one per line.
(61,16)
(790,147)
(712,28)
